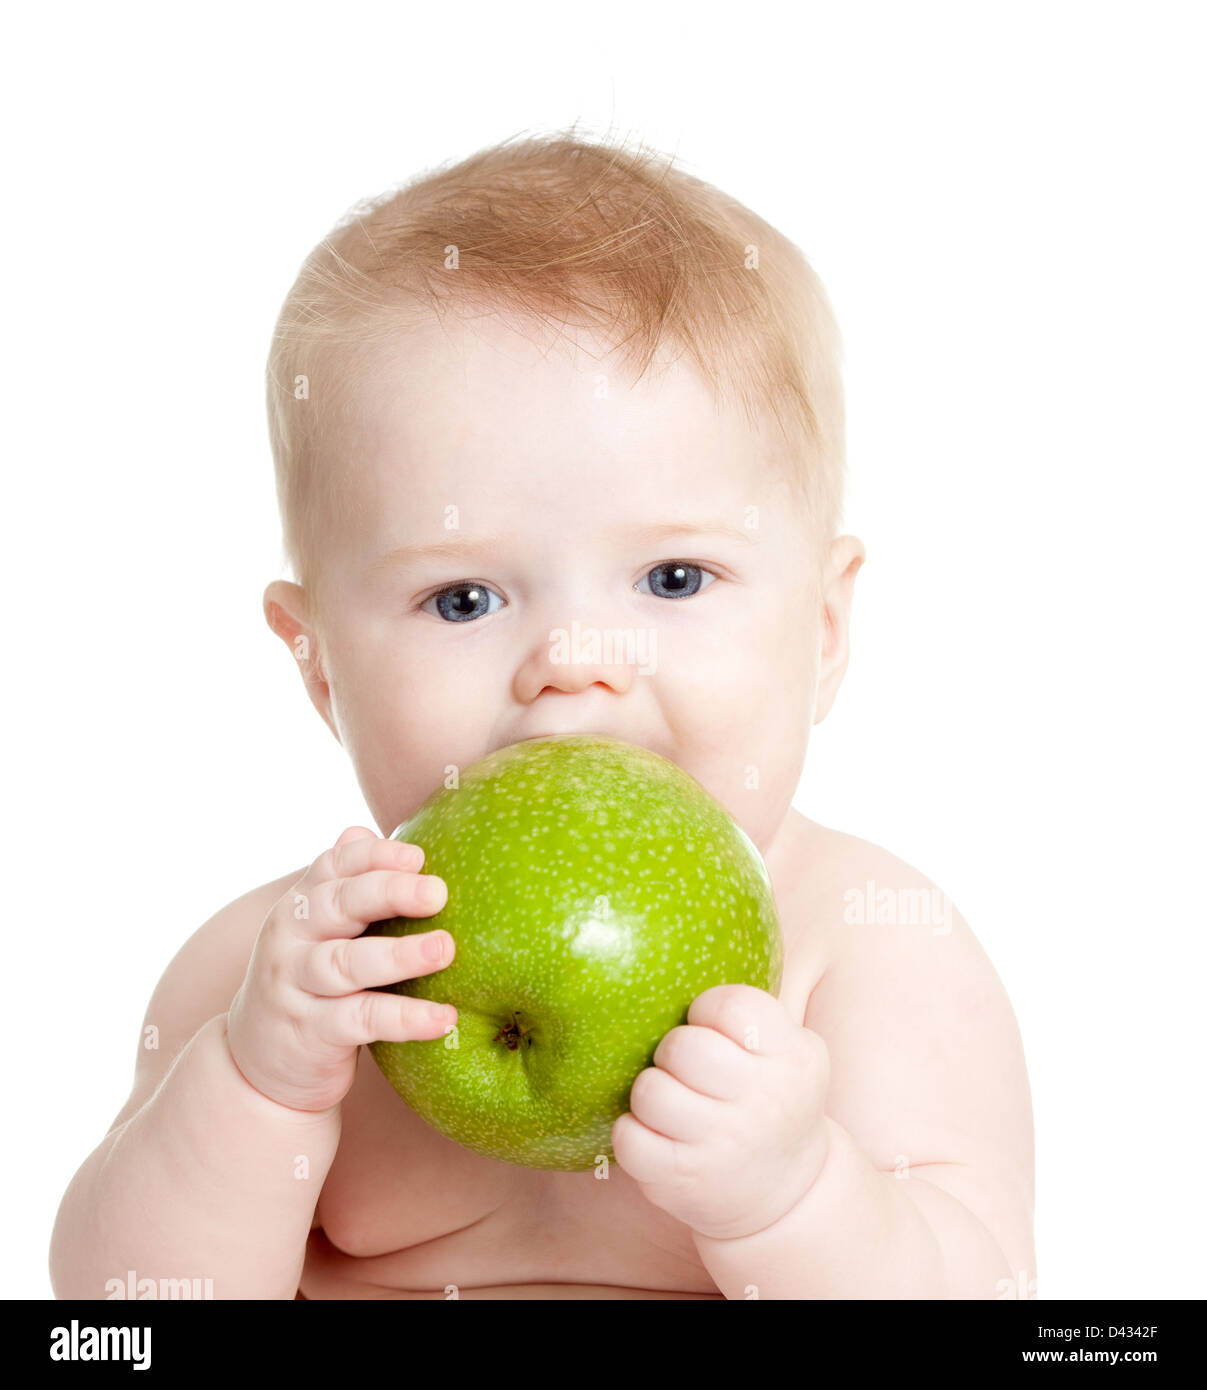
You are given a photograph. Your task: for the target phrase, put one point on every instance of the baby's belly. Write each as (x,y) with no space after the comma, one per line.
(324,1281)
(530,1246)
(406,1213)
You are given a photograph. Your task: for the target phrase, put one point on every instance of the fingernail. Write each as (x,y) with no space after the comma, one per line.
(435,947)
(431,891)
(441,1013)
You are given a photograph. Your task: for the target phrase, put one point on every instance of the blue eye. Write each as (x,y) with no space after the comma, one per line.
(676,579)
(469,600)
(462,603)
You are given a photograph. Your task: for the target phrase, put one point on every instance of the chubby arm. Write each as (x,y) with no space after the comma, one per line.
(196,1177)
(862,1233)
(927,1186)
(882,1150)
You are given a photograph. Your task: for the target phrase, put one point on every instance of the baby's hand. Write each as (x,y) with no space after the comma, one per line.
(727,1130)
(307,1002)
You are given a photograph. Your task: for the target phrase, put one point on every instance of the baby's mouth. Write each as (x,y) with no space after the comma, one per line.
(563,733)
(594,733)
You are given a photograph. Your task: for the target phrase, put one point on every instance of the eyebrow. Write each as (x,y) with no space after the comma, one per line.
(469,547)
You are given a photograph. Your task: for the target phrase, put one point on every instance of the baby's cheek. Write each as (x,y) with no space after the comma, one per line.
(749,745)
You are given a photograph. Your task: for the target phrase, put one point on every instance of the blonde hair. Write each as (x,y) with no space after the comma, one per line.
(570,231)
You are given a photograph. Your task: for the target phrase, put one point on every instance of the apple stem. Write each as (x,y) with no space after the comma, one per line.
(513,1032)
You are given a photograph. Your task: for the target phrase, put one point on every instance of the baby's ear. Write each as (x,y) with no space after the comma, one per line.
(846,555)
(287,612)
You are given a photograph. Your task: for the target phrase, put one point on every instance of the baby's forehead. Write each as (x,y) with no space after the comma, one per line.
(506,382)
(500,419)
(465,354)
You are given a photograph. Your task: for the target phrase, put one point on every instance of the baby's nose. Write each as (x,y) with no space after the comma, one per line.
(581,656)
(575,657)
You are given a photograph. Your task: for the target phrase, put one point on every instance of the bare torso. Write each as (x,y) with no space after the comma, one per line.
(927,1079)
(406,1213)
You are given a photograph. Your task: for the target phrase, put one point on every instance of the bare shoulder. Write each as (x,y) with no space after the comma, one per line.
(927,1067)
(199,982)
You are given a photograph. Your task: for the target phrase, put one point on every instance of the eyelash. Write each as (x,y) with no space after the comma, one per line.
(479,584)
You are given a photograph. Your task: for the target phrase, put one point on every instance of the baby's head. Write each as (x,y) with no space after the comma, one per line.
(558,435)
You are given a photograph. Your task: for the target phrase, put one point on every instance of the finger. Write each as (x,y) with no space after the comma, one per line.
(358,850)
(359,1019)
(644,1155)
(346,906)
(706,1061)
(669,1107)
(340,966)
(355,832)
(750,1017)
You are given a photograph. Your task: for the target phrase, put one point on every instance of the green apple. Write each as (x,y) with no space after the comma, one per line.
(594,890)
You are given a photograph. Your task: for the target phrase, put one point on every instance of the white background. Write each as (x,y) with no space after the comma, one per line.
(1005,202)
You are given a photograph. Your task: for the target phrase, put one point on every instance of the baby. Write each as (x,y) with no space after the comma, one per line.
(559,387)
